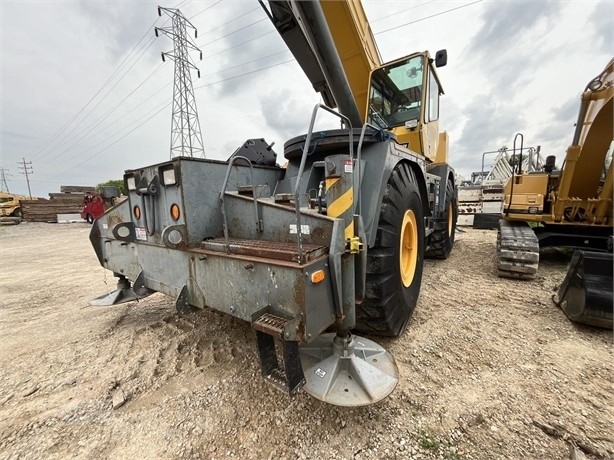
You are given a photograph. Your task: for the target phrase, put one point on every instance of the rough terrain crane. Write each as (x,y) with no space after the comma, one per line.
(570,207)
(308,254)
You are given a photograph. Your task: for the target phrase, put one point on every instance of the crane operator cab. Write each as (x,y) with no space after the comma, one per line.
(404,99)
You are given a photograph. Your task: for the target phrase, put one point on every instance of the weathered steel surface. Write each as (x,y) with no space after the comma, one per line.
(266,249)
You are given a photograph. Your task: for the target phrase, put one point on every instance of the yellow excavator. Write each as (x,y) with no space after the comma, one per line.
(570,207)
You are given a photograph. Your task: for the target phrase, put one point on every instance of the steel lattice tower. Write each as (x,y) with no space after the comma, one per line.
(186,137)
(4,187)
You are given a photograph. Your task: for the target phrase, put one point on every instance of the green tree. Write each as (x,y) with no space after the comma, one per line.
(119,183)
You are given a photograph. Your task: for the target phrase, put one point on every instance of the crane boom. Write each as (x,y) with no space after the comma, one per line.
(304,28)
(356,46)
(333,43)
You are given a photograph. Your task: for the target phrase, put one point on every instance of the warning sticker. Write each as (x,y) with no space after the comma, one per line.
(320,373)
(141,233)
(304,229)
(347,166)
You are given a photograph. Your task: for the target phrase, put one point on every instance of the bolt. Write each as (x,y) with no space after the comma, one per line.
(233,309)
(249,266)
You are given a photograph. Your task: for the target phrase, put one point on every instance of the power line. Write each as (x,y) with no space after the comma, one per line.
(232,20)
(108,92)
(244,74)
(402,11)
(242,43)
(83,135)
(146,100)
(206,9)
(142,51)
(427,17)
(117,69)
(163,106)
(234,32)
(117,140)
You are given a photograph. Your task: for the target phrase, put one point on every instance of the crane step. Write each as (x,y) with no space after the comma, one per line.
(287,376)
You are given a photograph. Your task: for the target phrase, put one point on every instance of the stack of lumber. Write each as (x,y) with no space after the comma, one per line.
(68,201)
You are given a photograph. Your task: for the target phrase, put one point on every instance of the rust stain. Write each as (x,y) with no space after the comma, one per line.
(114,218)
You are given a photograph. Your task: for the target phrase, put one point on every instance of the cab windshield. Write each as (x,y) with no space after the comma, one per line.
(396,93)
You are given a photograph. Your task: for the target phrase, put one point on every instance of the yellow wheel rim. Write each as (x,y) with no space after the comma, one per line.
(450,218)
(408,257)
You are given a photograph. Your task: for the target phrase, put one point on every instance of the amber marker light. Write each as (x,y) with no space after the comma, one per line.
(137,212)
(175,211)
(318,276)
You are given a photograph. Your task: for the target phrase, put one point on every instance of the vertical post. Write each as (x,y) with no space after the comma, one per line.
(186,137)
(26,167)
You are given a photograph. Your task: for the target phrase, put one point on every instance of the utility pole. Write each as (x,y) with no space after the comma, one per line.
(26,168)
(4,187)
(186,137)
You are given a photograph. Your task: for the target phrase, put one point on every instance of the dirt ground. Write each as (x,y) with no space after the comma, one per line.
(490,369)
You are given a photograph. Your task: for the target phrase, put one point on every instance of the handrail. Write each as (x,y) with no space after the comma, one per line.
(519,163)
(301,169)
(358,159)
(225,184)
(147,193)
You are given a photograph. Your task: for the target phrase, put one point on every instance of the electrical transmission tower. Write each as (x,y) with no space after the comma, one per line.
(4,187)
(26,168)
(186,138)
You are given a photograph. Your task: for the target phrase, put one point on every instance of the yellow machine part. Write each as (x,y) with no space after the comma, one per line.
(355,44)
(360,56)
(582,192)
(528,193)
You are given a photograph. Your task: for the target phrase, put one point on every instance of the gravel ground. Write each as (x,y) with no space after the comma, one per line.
(490,369)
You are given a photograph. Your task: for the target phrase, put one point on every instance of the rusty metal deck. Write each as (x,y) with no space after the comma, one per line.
(267,249)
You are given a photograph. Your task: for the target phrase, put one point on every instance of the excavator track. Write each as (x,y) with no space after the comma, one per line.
(517,250)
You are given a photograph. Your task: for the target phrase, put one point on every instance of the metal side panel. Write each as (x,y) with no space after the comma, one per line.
(237,285)
(193,185)
(278,221)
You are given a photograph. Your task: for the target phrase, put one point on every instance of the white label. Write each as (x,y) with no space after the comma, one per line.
(347,166)
(304,229)
(141,233)
(320,373)
(105,226)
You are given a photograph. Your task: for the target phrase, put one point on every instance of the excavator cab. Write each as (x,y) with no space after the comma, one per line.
(404,99)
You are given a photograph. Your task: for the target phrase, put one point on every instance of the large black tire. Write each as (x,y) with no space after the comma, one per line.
(442,238)
(394,264)
(17,212)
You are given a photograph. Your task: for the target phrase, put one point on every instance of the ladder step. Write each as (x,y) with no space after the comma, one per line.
(270,324)
(277,378)
(288,377)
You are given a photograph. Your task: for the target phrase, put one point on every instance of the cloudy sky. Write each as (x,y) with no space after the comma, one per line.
(85,95)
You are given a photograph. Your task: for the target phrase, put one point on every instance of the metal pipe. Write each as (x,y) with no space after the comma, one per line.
(314,25)
(225,184)
(301,169)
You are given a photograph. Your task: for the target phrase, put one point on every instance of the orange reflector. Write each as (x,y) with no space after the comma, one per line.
(137,212)
(175,211)
(317,276)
